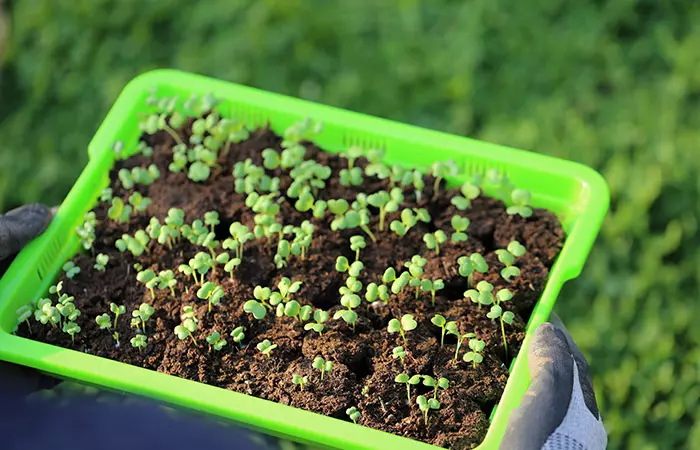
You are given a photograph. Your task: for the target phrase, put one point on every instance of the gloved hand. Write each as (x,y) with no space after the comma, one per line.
(20,225)
(559,410)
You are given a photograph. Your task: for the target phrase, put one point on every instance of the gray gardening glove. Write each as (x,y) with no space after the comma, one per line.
(559,410)
(20,225)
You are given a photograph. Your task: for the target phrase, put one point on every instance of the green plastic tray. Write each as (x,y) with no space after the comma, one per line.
(577,194)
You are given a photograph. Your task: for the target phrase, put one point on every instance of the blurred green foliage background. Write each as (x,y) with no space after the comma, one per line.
(612,84)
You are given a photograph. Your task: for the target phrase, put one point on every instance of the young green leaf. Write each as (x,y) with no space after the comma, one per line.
(521,201)
(265,347)
(322,365)
(140,341)
(215,341)
(407,323)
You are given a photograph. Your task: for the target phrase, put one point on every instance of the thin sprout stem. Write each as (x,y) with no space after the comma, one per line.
(382,212)
(173,134)
(369,233)
(436,187)
(194,340)
(172,291)
(505,344)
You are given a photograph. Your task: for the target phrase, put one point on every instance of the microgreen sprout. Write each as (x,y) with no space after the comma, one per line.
(201,263)
(119,211)
(440,383)
(198,171)
(442,169)
(460,225)
(140,316)
(508,257)
(320,317)
(350,300)
(139,202)
(140,341)
(451,328)
(47,313)
(211,218)
(415,272)
(442,323)
(500,182)
(238,334)
(399,353)
(425,405)
(434,239)
(24,313)
(387,202)
(432,286)
(470,191)
(351,177)
(137,245)
(265,347)
(342,265)
(482,295)
(300,381)
(215,341)
(521,199)
(240,234)
(103,320)
(353,414)
(352,154)
(258,307)
(397,283)
(101,261)
(157,122)
(357,243)
(322,365)
(377,292)
(211,292)
(474,356)
(185,330)
(106,195)
(149,279)
(497,312)
(117,310)
(166,280)
(409,381)
(86,231)
(470,264)
(71,328)
(409,218)
(407,323)
(71,269)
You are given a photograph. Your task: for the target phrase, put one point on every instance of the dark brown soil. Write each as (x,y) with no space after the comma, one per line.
(364,371)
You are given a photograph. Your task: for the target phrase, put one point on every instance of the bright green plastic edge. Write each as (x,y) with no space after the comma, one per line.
(576,193)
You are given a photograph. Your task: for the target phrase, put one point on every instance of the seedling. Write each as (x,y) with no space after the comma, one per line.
(474,356)
(258,308)
(322,365)
(185,330)
(47,313)
(211,292)
(139,202)
(442,169)
(104,322)
(157,122)
(198,171)
(285,289)
(415,272)
(508,257)
(117,310)
(231,265)
(425,405)
(521,199)
(407,323)
(119,211)
(137,245)
(320,317)
(387,202)
(350,300)
(149,279)
(470,191)
(440,383)
(140,341)
(140,316)
(101,261)
(24,313)
(399,353)
(211,218)
(352,154)
(238,334)
(408,381)
(86,231)
(342,265)
(470,264)
(353,414)
(497,312)
(460,225)
(482,295)
(377,292)
(106,195)
(409,218)
(442,323)
(71,269)
(240,234)
(215,341)
(71,328)
(166,280)
(451,328)
(357,243)
(432,286)
(434,239)
(201,263)
(300,381)
(351,177)
(397,284)
(265,347)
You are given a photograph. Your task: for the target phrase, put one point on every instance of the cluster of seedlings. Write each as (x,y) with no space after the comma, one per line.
(369,217)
